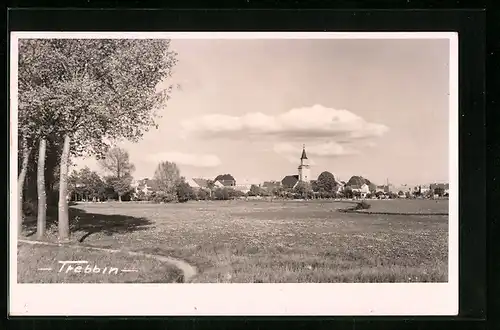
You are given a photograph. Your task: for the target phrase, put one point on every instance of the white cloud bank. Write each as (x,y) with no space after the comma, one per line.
(313,122)
(180,158)
(327,132)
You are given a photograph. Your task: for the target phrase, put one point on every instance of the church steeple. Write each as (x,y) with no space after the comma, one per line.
(304,156)
(304,171)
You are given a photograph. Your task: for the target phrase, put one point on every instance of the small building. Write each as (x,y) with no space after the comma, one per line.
(146,186)
(199,183)
(363,189)
(193,184)
(424,188)
(225,180)
(244,188)
(438,188)
(290,181)
(271,185)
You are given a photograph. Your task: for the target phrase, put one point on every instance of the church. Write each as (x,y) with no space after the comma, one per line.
(304,172)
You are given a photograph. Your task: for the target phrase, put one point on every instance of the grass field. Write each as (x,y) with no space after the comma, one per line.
(259,241)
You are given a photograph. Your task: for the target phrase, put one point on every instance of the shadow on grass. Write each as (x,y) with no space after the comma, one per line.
(91,223)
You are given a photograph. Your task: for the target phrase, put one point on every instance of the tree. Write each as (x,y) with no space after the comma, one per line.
(100,90)
(117,163)
(439,191)
(33,125)
(168,176)
(326,182)
(221,193)
(302,189)
(255,190)
(358,181)
(184,191)
(348,193)
(210,186)
(201,194)
(86,184)
(42,197)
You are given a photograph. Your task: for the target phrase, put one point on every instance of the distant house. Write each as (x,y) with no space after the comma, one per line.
(270,185)
(225,180)
(244,188)
(193,184)
(290,181)
(424,188)
(340,186)
(218,184)
(444,187)
(363,189)
(404,188)
(146,186)
(199,183)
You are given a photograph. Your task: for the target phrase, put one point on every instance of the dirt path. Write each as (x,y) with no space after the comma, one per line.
(188,271)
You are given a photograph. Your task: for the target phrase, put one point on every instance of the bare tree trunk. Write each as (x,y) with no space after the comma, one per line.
(42,196)
(63,216)
(20,187)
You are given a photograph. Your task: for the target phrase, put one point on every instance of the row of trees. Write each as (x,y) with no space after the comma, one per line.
(79,96)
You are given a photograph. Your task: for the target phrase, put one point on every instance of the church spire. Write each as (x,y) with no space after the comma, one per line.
(304,156)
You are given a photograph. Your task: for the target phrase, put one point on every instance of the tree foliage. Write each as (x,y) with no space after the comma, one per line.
(439,191)
(326,182)
(303,190)
(255,191)
(184,192)
(117,163)
(87,184)
(167,175)
(95,89)
(91,92)
(358,181)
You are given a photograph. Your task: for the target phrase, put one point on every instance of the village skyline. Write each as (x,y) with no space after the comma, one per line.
(246,107)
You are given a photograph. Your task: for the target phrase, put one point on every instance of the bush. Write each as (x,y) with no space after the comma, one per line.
(235,193)
(140,196)
(30,207)
(201,194)
(162,197)
(184,192)
(362,206)
(221,194)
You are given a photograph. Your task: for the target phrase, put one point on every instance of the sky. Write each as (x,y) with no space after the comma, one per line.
(375,108)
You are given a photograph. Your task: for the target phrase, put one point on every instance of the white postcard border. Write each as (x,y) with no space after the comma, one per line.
(350,299)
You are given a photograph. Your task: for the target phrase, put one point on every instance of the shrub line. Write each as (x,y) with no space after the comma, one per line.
(188,270)
(362,207)
(388,213)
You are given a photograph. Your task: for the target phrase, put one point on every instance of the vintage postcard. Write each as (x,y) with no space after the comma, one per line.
(234,173)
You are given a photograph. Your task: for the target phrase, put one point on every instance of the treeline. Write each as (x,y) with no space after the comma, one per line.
(78,97)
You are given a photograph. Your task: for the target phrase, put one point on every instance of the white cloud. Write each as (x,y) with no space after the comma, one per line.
(180,158)
(300,123)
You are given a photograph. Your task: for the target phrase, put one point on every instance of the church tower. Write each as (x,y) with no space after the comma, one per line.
(304,170)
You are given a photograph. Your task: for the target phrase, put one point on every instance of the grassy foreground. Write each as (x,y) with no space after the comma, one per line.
(259,241)
(47,264)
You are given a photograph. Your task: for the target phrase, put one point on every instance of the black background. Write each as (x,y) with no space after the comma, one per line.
(478,42)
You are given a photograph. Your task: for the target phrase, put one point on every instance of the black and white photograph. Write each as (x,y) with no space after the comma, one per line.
(234,173)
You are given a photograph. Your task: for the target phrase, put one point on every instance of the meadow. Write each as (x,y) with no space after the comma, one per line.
(270,241)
